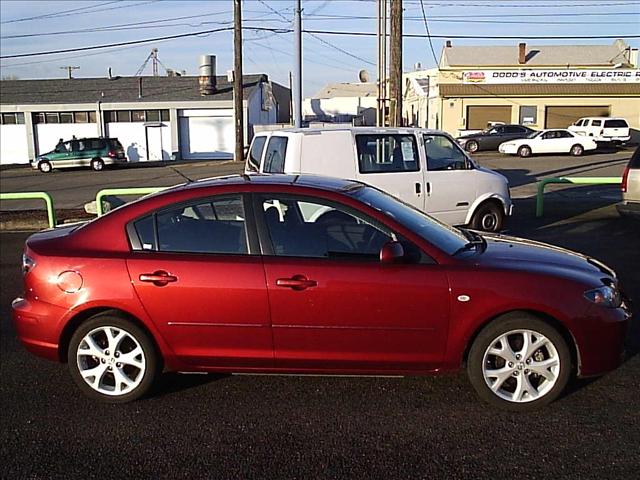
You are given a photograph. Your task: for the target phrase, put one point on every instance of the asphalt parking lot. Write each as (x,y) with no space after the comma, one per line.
(321,427)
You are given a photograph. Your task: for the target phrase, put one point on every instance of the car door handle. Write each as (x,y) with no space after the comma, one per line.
(159,278)
(297,282)
(418,188)
(428,188)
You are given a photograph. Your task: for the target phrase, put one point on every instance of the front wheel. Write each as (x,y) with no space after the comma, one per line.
(524,151)
(97,164)
(519,363)
(472,146)
(112,360)
(45,167)
(576,150)
(488,217)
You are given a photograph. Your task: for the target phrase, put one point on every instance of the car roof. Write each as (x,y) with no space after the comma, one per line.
(602,118)
(313,181)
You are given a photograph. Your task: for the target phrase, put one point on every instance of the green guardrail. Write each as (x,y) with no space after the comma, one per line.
(123,191)
(51,213)
(573,180)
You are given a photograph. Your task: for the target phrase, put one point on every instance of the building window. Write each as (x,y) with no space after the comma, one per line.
(81,117)
(164,115)
(153,116)
(528,115)
(92,117)
(38,118)
(12,119)
(123,116)
(66,117)
(137,116)
(52,117)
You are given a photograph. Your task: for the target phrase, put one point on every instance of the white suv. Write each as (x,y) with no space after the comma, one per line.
(603,129)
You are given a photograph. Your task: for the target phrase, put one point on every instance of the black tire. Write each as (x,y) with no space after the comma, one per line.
(489,336)
(149,358)
(471,146)
(97,164)
(488,217)
(524,151)
(577,150)
(45,167)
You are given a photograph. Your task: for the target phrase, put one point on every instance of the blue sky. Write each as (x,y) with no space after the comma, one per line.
(272,53)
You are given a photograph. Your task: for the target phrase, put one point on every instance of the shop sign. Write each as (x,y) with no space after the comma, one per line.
(551,76)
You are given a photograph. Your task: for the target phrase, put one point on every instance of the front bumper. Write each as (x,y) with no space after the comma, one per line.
(508,149)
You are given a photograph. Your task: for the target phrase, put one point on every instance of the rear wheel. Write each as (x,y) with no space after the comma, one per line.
(44,166)
(518,362)
(112,360)
(97,164)
(471,146)
(488,217)
(524,151)
(576,150)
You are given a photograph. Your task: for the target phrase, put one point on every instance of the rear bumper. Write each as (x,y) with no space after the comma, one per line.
(629,209)
(37,326)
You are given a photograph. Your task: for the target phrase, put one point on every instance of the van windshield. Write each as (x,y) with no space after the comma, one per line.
(446,238)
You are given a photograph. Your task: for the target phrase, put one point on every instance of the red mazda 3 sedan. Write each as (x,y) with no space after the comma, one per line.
(303,274)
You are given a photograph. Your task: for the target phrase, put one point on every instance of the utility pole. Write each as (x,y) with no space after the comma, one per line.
(69,68)
(154,61)
(382,63)
(238,110)
(395,67)
(297,82)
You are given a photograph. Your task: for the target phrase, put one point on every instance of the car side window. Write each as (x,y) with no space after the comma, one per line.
(276,152)
(596,123)
(255,154)
(215,225)
(564,134)
(300,227)
(381,153)
(443,154)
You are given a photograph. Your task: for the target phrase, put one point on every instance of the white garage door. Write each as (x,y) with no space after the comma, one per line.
(207,134)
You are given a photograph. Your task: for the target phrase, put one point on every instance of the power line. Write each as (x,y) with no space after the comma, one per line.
(60,14)
(329,44)
(56,14)
(319,32)
(426,26)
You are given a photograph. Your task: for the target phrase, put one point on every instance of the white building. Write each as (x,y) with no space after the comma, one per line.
(155,118)
(342,103)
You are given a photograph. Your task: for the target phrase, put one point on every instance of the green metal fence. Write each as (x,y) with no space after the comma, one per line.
(122,191)
(51,213)
(573,180)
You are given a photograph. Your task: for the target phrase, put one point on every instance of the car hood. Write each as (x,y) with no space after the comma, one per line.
(472,135)
(514,253)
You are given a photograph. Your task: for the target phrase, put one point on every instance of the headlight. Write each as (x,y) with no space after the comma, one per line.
(604,296)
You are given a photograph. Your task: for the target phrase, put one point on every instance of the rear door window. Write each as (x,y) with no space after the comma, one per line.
(443,154)
(276,152)
(615,124)
(255,154)
(387,153)
(596,123)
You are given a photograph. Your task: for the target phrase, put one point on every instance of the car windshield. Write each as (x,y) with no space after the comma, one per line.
(533,134)
(445,237)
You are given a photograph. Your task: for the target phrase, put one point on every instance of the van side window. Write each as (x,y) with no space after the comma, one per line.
(443,154)
(596,123)
(387,153)
(274,158)
(255,154)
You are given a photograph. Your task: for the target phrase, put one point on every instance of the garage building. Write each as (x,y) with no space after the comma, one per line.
(155,118)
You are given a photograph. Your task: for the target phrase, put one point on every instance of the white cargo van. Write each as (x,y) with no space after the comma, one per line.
(603,129)
(425,168)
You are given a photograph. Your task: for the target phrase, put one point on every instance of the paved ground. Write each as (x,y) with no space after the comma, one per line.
(73,188)
(313,427)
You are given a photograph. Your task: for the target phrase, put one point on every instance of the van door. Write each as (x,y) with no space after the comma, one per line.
(450,180)
(390,161)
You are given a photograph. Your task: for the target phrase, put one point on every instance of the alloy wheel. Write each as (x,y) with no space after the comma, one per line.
(521,366)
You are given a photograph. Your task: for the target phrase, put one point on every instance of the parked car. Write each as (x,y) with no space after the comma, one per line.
(81,152)
(603,129)
(630,205)
(491,138)
(208,276)
(425,168)
(549,141)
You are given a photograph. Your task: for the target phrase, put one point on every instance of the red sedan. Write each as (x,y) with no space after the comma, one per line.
(295,274)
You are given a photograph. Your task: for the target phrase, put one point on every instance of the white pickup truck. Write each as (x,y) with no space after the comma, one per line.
(424,168)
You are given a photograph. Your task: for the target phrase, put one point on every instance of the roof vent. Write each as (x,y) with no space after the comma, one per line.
(207,74)
(522,53)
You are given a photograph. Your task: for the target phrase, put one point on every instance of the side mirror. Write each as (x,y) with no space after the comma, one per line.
(392,252)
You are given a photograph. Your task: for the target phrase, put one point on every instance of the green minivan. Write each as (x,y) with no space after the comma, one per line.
(81,152)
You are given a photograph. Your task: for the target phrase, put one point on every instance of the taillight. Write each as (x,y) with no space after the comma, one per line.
(112,154)
(28,263)
(625,177)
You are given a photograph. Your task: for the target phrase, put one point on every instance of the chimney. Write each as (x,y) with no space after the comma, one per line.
(207,74)
(448,44)
(522,53)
